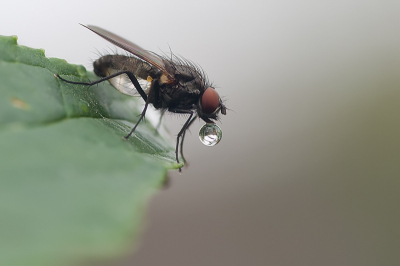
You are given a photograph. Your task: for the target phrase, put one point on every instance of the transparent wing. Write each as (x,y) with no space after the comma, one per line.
(124,84)
(128,46)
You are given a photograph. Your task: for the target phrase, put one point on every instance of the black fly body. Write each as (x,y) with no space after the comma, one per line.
(170,84)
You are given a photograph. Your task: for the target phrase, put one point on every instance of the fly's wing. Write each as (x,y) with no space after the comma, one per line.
(111,64)
(125,85)
(132,48)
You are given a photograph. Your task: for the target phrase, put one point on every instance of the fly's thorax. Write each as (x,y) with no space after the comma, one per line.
(176,96)
(189,76)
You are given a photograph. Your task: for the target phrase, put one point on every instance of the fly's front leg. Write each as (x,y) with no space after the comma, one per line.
(183,138)
(182,131)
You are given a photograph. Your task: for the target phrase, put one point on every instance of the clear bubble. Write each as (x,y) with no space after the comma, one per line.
(210,134)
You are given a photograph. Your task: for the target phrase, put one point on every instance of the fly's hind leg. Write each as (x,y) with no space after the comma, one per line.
(131,76)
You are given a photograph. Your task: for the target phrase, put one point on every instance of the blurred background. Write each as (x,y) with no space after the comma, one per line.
(308,170)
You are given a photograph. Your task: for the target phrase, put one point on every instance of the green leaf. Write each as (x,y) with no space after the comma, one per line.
(71,188)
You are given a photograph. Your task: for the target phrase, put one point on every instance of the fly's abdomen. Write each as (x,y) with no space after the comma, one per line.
(139,68)
(110,64)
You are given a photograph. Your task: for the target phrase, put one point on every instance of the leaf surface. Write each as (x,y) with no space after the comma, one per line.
(71,188)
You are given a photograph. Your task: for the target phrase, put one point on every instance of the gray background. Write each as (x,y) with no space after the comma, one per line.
(308,171)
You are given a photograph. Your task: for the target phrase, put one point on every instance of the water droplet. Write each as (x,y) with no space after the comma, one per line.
(210,134)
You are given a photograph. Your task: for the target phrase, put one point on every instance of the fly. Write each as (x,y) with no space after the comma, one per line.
(169,84)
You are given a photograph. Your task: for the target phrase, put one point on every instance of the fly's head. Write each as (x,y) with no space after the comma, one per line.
(209,105)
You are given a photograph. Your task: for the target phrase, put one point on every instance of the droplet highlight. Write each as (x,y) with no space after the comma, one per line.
(210,134)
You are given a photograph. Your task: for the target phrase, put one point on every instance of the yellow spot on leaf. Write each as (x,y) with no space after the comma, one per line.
(18,103)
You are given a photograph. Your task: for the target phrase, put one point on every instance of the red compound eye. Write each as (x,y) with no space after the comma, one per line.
(209,101)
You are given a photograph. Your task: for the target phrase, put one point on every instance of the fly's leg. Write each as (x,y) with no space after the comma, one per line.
(159,122)
(140,119)
(184,128)
(154,86)
(130,75)
(183,138)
